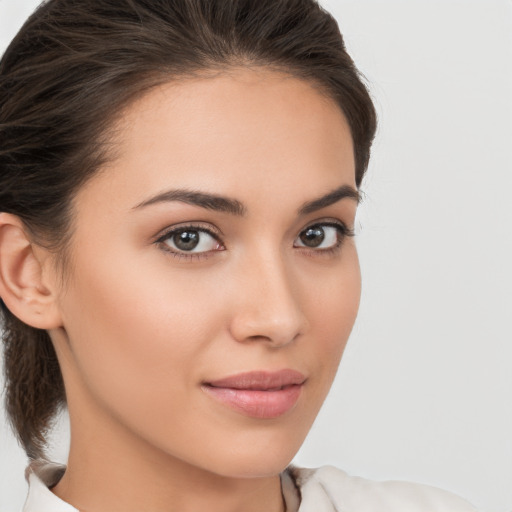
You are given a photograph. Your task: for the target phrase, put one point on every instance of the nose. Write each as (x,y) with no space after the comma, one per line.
(268,305)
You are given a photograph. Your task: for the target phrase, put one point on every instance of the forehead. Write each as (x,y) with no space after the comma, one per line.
(231,133)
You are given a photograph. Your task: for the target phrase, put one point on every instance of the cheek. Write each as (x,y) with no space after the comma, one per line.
(333,309)
(137,336)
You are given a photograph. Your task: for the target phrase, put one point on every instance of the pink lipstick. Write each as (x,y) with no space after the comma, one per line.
(259,394)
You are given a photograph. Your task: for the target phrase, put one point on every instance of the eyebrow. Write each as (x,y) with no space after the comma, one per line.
(343,192)
(201,199)
(234,207)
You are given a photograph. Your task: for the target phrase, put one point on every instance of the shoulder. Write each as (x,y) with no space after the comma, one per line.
(329,489)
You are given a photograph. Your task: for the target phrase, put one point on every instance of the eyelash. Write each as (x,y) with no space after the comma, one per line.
(343,232)
(183,255)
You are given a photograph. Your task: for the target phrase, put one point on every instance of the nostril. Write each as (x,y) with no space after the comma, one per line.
(265,331)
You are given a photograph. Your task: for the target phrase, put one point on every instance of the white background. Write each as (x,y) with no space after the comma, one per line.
(424,391)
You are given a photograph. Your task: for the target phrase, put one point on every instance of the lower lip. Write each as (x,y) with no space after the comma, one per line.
(257,403)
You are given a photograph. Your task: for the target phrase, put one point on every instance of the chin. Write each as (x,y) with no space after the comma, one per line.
(264,466)
(257,459)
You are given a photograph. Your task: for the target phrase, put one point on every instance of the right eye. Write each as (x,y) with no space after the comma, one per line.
(190,240)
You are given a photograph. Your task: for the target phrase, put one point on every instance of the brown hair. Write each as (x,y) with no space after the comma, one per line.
(71,70)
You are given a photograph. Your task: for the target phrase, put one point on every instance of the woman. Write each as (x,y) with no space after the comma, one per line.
(179,185)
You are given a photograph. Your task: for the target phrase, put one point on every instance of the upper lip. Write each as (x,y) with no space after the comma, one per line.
(260,380)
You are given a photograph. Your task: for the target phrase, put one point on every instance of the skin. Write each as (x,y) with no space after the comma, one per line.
(140,328)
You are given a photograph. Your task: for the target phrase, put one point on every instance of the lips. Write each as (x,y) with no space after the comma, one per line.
(261,394)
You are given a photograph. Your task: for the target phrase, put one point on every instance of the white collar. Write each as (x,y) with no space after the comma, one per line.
(42,475)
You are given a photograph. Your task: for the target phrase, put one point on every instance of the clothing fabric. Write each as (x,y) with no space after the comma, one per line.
(326,489)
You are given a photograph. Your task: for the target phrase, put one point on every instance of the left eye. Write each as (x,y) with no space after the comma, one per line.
(320,236)
(191,241)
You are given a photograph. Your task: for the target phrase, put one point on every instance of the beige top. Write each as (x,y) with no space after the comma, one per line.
(326,489)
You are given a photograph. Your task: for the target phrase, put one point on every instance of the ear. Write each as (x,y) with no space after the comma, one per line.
(24,270)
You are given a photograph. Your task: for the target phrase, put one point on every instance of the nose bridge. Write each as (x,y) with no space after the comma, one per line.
(269,306)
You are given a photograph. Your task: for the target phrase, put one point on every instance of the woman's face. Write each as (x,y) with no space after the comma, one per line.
(213,282)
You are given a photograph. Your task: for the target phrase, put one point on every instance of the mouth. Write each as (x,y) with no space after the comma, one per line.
(261,394)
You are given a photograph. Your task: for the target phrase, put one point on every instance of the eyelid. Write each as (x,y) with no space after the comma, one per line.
(335,223)
(343,232)
(205,227)
(167,233)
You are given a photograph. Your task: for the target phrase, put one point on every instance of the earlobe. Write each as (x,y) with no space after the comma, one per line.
(22,284)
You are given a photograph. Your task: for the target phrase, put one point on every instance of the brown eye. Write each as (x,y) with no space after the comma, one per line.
(190,240)
(312,237)
(320,236)
(186,240)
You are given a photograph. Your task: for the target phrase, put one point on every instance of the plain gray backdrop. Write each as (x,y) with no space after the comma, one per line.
(424,391)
